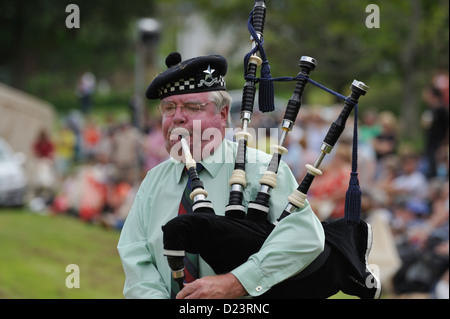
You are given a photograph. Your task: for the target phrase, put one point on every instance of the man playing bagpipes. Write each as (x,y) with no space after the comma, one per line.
(193,97)
(187,237)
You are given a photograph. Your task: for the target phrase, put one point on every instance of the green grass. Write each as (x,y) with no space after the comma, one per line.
(35,251)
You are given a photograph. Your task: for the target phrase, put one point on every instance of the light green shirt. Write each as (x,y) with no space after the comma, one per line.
(296,241)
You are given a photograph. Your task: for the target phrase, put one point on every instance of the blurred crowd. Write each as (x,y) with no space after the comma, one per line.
(92,169)
(405,188)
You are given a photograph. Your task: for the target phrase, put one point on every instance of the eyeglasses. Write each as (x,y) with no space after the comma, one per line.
(188,108)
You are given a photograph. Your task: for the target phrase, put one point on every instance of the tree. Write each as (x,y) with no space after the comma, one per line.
(396,60)
(35,38)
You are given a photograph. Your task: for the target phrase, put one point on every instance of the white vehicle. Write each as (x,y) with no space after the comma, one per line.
(13,181)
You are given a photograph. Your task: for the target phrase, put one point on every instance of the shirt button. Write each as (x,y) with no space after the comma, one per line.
(258,289)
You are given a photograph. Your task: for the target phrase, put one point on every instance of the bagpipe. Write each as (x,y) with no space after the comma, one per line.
(226,242)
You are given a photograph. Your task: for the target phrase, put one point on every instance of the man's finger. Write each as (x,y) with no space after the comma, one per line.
(186,291)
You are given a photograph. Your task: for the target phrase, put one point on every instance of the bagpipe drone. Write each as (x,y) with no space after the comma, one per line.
(225,242)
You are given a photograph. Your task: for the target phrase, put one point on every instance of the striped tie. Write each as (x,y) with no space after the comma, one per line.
(190,260)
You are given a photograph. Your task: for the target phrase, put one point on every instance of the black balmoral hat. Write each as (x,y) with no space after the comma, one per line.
(200,74)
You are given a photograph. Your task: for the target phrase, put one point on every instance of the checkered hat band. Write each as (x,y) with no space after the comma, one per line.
(190,85)
(179,85)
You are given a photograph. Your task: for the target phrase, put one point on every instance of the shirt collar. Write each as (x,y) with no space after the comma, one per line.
(211,164)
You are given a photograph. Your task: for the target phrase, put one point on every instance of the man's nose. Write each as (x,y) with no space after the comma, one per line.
(179,116)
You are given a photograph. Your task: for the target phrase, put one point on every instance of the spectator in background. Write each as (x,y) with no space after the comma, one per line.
(441,81)
(437,223)
(442,162)
(43,147)
(410,185)
(91,138)
(75,122)
(65,141)
(84,90)
(44,177)
(382,184)
(385,143)
(435,123)
(370,127)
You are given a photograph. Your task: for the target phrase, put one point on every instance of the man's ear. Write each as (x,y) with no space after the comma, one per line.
(224,113)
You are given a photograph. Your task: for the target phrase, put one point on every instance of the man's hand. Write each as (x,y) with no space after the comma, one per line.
(213,287)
